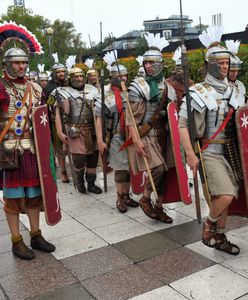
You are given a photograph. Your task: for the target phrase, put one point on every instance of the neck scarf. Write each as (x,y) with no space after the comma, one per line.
(153,83)
(119,105)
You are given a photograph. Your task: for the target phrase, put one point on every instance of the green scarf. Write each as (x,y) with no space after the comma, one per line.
(153,83)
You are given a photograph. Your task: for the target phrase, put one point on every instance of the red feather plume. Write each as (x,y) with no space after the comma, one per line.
(10,30)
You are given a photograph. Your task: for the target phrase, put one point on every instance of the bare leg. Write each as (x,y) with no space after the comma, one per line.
(13,221)
(34,218)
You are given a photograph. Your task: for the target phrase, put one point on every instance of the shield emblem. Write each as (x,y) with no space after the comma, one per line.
(46,165)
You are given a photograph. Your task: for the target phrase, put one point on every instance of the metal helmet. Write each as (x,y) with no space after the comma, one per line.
(115,71)
(235,63)
(156,45)
(75,72)
(141,72)
(216,51)
(43,76)
(233,47)
(58,67)
(14,55)
(211,38)
(155,56)
(91,71)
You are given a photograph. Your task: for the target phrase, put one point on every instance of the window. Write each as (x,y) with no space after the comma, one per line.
(167,34)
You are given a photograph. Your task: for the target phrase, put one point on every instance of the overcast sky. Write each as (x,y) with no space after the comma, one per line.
(119,17)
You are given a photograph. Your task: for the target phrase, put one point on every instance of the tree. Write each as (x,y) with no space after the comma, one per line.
(65,40)
(200,27)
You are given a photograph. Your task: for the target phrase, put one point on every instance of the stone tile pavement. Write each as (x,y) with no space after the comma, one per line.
(102,254)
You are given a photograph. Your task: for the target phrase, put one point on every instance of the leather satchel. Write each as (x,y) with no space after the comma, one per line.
(8,159)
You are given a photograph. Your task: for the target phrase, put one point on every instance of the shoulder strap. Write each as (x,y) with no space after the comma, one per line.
(6,128)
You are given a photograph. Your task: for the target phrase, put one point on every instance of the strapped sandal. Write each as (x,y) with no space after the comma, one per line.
(209,233)
(223,244)
(64,176)
(129,201)
(145,204)
(121,203)
(162,216)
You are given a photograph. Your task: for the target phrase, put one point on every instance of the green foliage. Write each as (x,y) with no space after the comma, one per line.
(65,41)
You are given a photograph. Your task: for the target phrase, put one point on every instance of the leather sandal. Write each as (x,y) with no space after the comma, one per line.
(64,177)
(121,203)
(145,204)
(129,201)
(223,244)
(209,233)
(162,216)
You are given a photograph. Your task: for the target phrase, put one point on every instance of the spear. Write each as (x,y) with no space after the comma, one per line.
(190,116)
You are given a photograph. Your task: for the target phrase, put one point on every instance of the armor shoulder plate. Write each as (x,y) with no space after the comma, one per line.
(171,93)
(140,87)
(204,95)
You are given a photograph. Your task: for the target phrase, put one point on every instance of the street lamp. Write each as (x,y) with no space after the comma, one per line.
(49,31)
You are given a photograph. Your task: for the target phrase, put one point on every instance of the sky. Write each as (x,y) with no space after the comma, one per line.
(119,17)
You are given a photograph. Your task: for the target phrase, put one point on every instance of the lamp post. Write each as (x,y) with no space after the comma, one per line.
(49,32)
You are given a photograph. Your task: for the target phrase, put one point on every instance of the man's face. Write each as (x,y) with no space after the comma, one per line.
(78,80)
(122,78)
(92,78)
(148,65)
(43,83)
(60,75)
(233,74)
(19,68)
(224,67)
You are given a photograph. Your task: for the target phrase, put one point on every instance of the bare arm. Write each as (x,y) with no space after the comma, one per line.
(102,146)
(192,159)
(62,136)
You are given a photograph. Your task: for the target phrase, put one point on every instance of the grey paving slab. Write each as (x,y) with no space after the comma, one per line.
(219,256)
(184,234)
(121,284)
(95,262)
(77,243)
(35,278)
(71,292)
(190,211)
(175,264)
(2,214)
(102,218)
(9,263)
(215,282)
(234,222)
(178,218)
(162,293)
(245,297)
(146,246)
(2,295)
(5,244)
(239,264)
(117,232)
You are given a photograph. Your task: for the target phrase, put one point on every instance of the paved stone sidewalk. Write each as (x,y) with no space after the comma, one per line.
(102,254)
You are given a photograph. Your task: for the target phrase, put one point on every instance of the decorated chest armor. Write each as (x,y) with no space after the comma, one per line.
(20,134)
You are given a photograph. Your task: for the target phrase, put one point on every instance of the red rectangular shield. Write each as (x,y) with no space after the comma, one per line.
(46,165)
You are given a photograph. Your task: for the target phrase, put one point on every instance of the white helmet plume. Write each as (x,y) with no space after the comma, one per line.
(41,68)
(70,62)
(55,57)
(110,58)
(210,35)
(155,41)
(232,46)
(89,63)
(140,60)
(177,57)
